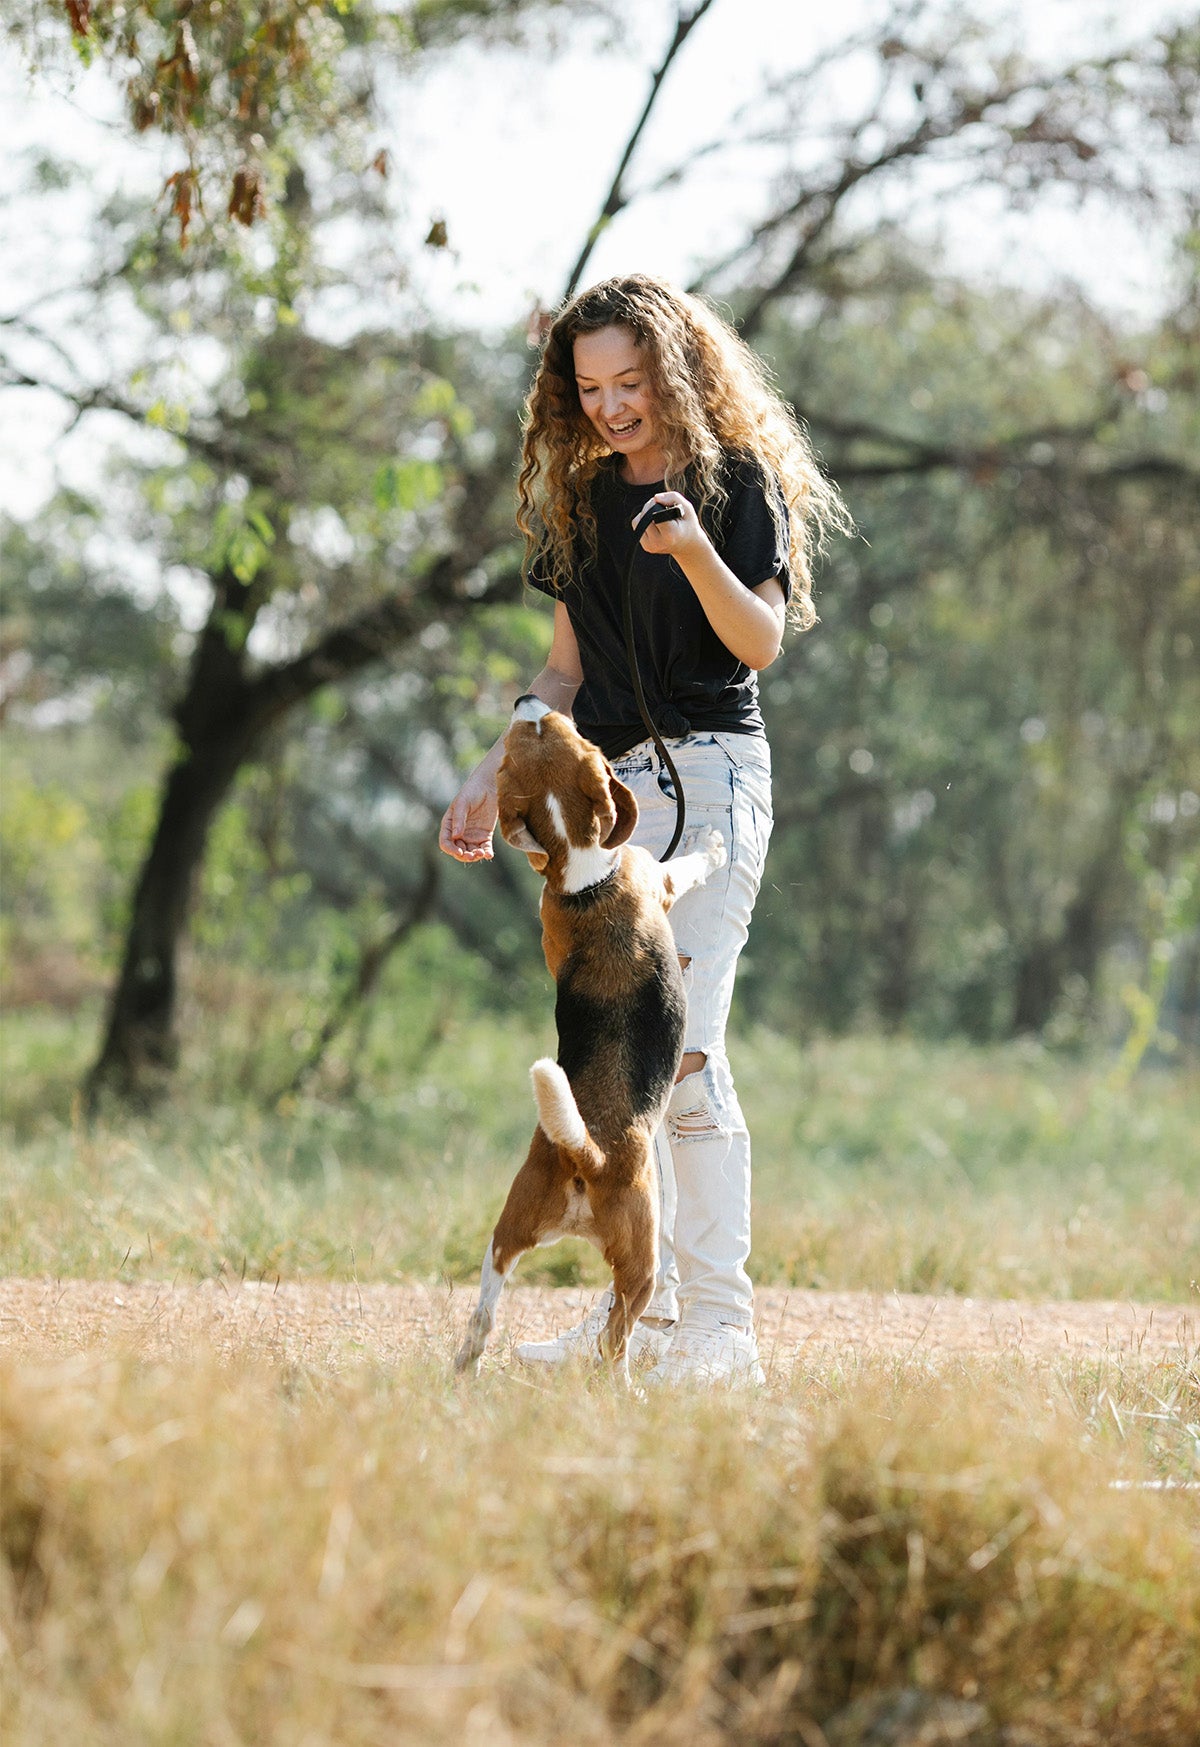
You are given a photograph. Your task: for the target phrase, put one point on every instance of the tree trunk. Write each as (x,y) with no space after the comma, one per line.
(1037,985)
(1046,964)
(217,730)
(897,953)
(140,1047)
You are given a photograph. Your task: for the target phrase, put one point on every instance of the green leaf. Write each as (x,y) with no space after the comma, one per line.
(407,485)
(234,627)
(437,399)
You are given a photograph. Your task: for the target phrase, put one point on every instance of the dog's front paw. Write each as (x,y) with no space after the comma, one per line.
(712,847)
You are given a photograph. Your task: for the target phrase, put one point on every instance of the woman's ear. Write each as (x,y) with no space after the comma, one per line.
(626,810)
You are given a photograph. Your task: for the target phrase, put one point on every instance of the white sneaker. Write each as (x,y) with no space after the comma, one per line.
(706,1350)
(583,1341)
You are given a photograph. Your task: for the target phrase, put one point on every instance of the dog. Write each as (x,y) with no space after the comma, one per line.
(620,1012)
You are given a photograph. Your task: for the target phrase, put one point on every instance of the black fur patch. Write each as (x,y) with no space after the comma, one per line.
(644,1031)
(654,1039)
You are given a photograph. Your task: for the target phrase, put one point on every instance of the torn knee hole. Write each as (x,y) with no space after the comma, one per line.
(691,1117)
(693,1124)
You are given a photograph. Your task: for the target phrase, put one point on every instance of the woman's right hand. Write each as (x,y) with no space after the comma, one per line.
(469,821)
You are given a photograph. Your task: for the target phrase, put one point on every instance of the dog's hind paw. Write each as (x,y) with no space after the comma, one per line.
(474,1341)
(467,1359)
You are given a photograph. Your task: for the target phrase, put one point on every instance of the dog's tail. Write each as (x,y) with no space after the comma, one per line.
(559,1116)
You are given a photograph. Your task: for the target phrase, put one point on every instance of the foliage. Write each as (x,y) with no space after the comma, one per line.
(985,775)
(244,87)
(985,752)
(977,753)
(985,746)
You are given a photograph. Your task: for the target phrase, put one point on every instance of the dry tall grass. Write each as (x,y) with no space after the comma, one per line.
(269,1552)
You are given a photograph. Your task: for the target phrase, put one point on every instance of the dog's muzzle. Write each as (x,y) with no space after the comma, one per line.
(529,709)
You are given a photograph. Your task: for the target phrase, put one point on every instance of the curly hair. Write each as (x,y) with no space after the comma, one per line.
(713,400)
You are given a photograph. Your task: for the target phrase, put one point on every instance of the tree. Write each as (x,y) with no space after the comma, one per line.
(981,734)
(243,88)
(375,429)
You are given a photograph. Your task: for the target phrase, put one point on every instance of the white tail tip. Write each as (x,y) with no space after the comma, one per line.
(557,1109)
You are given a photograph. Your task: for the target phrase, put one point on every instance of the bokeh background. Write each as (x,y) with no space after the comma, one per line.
(267,285)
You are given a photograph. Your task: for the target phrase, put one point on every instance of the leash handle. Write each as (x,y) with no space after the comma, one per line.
(658,513)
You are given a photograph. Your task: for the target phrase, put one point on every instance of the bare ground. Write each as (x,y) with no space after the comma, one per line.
(335,1325)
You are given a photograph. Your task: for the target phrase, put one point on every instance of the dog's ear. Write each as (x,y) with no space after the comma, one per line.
(516,832)
(613,805)
(626,808)
(522,838)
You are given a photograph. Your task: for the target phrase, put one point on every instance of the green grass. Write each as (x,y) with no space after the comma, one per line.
(884,1164)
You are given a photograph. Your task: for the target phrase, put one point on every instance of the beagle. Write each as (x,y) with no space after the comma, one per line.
(620,1013)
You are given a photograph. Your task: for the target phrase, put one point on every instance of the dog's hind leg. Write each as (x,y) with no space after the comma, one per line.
(483,1317)
(630,1298)
(532,1212)
(631,1252)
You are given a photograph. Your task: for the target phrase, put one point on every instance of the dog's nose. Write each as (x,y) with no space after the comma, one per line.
(529,709)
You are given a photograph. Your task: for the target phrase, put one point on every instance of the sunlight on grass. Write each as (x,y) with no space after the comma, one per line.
(879,1164)
(271,1551)
(274,1532)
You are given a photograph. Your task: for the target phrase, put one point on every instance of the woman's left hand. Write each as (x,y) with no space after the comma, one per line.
(677,537)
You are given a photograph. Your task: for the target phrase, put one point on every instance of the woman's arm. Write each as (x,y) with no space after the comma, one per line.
(470,819)
(749,621)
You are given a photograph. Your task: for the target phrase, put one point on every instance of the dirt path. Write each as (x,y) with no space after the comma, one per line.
(332,1325)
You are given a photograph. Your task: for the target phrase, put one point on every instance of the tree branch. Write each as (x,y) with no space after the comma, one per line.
(616,197)
(951,104)
(982,463)
(348,648)
(915,456)
(372,958)
(221,452)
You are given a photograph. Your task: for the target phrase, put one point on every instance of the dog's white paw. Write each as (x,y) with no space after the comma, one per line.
(712,848)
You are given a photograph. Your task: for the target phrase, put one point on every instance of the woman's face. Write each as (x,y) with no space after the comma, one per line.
(615,395)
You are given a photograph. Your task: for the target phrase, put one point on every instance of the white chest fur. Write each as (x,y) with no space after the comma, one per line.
(585,867)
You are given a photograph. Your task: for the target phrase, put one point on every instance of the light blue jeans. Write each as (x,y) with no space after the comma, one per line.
(703,1147)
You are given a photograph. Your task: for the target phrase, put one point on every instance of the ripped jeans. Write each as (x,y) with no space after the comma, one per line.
(703,1146)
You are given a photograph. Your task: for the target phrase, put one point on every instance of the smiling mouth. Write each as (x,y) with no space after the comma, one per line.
(625,430)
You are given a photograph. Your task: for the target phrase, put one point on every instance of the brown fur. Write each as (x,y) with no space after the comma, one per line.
(620,1011)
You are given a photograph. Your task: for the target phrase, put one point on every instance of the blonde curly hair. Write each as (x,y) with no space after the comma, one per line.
(713,399)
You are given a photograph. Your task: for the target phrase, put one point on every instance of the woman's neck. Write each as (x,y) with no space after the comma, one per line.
(645,469)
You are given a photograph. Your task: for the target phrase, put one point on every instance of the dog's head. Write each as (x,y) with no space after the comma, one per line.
(557,793)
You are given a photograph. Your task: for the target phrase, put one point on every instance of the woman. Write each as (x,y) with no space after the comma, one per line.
(643,396)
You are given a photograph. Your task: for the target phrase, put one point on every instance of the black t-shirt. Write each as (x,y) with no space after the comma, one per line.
(691,680)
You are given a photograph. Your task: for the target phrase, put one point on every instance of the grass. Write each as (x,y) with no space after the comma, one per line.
(306,1546)
(270,1551)
(885,1164)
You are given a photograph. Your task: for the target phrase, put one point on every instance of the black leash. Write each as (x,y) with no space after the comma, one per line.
(660,512)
